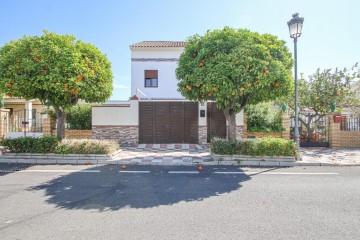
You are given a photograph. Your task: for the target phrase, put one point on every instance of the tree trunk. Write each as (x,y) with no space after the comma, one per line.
(61,117)
(309,132)
(231,120)
(307,124)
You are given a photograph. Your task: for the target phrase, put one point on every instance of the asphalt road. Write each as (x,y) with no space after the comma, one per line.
(99,202)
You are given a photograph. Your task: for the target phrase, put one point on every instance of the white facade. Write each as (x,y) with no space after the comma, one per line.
(165,61)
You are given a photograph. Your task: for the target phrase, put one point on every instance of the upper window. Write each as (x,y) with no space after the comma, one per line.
(151,78)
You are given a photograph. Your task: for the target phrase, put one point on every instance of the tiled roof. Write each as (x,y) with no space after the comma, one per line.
(154,44)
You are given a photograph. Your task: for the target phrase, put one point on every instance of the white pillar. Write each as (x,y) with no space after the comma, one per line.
(28,109)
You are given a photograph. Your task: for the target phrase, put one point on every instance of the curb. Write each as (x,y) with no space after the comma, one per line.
(115,159)
(212,163)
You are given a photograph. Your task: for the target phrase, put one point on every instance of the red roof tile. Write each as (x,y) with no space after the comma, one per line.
(154,44)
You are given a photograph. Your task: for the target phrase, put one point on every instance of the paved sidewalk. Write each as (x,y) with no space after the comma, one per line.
(191,154)
(328,156)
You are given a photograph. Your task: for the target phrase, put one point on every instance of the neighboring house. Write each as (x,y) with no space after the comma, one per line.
(354,112)
(16,105)
(355,87)
(20,110)
(157,112)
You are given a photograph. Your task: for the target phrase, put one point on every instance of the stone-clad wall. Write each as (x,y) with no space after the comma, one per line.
(240,132)
(202,134)
(123,134)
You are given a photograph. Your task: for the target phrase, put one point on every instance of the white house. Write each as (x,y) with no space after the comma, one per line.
(153,65)
(157,112)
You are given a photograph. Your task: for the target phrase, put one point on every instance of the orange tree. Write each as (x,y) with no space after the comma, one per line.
(56,69)
(322,91)
(234,67)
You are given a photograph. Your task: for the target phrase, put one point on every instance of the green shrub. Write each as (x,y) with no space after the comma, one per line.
(254,147)
(78,117)
(223,146)
(264,117)
(86,146)
(46,144)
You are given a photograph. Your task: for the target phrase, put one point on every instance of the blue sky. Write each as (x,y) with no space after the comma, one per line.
(330,35)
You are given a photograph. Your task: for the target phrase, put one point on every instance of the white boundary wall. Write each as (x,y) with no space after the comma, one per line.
(116,113)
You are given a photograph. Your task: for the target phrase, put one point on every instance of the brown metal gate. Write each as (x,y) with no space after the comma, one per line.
(168,122)
(216,122)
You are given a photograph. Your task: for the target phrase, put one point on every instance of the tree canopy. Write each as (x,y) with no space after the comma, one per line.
(234,67)
(56,69)
(323,90)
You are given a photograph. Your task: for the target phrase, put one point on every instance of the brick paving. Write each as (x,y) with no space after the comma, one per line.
(192,154)
(164,154)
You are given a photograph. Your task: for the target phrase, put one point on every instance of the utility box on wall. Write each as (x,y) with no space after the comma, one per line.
(337,118)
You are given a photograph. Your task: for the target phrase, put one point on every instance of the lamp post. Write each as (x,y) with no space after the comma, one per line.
(295,27)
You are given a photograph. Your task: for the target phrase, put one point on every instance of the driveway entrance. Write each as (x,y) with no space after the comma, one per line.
(168,122)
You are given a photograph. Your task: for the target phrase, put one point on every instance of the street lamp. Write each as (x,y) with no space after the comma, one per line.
(295,27)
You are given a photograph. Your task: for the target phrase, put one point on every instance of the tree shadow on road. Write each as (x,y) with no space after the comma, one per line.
(110,190)
(8,168)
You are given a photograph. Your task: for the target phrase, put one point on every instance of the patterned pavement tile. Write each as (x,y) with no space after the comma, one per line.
(185,154)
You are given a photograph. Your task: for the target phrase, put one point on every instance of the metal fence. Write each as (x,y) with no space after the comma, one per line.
(25,120)
(350,124)
(313,130)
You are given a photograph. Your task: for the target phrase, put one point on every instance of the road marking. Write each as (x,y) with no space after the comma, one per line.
(191,172)
(124,171)
(52,171)
(275,173)
(61,170)
(10,221)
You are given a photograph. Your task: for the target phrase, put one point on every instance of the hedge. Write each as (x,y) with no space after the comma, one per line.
(86,146)
(51,144)
(264,117)
(78,117)
(46,144)
(268,146)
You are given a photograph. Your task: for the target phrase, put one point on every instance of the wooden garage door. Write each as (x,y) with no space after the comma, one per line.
(216,122)
(168,122)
